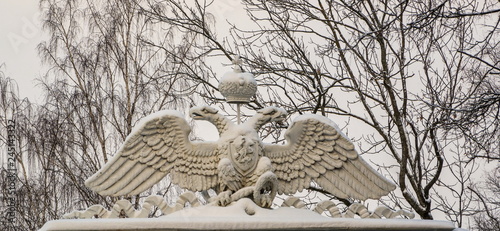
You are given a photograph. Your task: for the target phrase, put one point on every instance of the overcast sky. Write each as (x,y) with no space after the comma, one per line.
(20,33)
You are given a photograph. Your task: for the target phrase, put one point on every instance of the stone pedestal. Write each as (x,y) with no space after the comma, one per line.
(217,223)
(244,215)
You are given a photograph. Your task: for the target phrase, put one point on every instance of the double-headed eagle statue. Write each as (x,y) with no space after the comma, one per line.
(239,163)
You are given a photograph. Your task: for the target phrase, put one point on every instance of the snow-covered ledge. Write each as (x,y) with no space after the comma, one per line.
(245,215)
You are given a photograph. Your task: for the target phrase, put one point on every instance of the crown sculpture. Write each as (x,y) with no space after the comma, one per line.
(239,165)
(237,86)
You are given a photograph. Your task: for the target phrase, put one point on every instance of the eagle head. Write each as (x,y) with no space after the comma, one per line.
(272,114)
(202,112)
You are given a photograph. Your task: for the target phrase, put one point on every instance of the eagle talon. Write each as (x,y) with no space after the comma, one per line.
(224,198)
(265,189)
(266,201)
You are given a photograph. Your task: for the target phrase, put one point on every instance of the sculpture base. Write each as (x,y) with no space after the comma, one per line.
(160,224)
(245,215)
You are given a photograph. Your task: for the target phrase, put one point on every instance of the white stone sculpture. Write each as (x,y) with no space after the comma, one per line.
(239,164)
(315,150)
(350,212)
(123,208)
(237,86)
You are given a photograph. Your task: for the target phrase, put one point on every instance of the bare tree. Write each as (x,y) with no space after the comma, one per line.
(103,76)
(19,191)
(416,74)
(487,196)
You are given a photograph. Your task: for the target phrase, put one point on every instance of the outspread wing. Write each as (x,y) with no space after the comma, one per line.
(158,145)
(316,150)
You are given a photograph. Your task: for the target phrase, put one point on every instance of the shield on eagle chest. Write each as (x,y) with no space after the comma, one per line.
(244,153)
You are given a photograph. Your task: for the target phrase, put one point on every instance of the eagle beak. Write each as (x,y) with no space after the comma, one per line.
(281,123)
(196,116)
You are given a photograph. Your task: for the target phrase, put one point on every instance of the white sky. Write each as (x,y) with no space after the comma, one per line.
(20,33)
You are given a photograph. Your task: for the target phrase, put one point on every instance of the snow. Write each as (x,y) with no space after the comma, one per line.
(159,114)
(235,77)
(324,120)
(245,215)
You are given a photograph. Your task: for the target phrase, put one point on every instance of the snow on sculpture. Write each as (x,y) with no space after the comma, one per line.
(123,208)
(239,164)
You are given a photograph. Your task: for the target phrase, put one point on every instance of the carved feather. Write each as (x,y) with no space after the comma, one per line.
(325,155)
(159,145)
